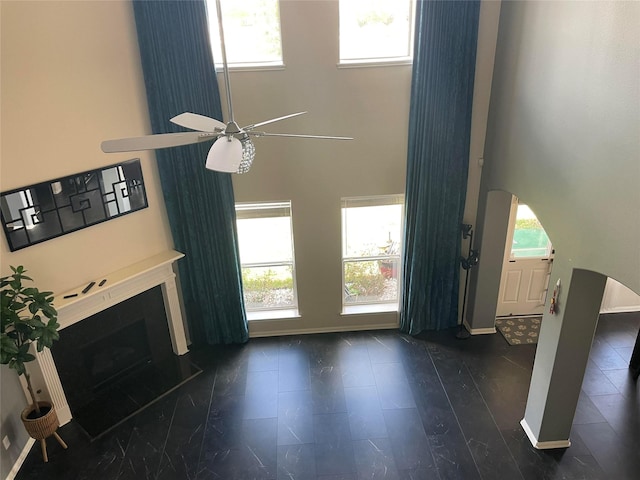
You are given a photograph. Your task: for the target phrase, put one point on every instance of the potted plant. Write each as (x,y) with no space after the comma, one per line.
(28,316)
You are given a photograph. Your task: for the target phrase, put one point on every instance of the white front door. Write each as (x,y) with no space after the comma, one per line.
(527,265)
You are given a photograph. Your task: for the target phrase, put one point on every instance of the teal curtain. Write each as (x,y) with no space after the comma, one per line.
(179,76)
(437,162)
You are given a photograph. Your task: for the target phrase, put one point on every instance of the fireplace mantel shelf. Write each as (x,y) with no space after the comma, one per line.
(119,286)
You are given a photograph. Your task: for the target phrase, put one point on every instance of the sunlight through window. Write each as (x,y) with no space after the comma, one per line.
(376,30)
(265,239)
(251,32)
(371,245)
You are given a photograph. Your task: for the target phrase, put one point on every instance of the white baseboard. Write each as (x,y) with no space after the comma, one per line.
(479,331)
(543,445)
(625,309)
(23,455)
(308,331)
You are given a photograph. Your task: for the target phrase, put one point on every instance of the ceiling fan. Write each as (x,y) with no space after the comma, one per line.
(233,150)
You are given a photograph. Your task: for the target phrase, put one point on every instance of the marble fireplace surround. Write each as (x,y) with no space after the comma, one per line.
(119,286)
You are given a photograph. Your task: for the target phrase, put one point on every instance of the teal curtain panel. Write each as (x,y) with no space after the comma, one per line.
(179,76)
(437,164)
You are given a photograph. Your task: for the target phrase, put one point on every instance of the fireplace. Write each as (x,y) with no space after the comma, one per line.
(106,361)
(121,346)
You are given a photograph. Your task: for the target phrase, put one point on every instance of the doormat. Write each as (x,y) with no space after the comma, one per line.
(519,330)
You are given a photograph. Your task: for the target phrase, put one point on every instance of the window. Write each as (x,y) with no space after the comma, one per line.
(265,239)
(371,246)
(376,30)
(251,32)
(529,238)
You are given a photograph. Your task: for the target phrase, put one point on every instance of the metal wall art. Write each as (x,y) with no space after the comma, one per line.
(50,209)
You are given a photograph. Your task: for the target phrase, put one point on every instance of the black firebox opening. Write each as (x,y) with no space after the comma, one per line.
(111,358)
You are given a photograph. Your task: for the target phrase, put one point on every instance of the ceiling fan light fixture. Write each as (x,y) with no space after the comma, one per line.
(225,155)
(248,154)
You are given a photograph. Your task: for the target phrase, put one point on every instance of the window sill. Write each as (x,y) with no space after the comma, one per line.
(251,67)
(272,315)
(395,62)
(370,308)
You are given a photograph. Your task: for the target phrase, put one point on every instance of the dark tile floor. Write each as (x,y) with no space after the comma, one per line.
(376,405)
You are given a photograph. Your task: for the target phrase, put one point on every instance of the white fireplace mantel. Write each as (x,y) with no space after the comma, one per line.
(118,286)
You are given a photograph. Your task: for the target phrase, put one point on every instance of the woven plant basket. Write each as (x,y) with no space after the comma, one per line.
(42,427)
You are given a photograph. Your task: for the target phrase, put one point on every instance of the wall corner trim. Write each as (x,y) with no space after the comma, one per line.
(543,445)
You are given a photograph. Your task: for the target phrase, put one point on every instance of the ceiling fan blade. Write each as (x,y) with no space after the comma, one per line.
(250,127)
(198,122)
(265,134)
(153,142)
(225,155)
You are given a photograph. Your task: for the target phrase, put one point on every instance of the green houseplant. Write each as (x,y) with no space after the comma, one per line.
(28,316)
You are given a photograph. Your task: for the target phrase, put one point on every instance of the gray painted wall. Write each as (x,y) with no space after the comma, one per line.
(491,231)
(12,400)
(564,128)
(563,136)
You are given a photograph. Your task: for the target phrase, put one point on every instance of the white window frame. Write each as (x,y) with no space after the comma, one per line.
(245,66)
(248,210)
(382,61)
(379,305)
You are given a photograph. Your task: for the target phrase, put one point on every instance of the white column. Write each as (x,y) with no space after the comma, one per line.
(174,317)
(562,355)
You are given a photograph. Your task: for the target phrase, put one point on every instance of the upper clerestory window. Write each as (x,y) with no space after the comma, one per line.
(376,31)
(251,33)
